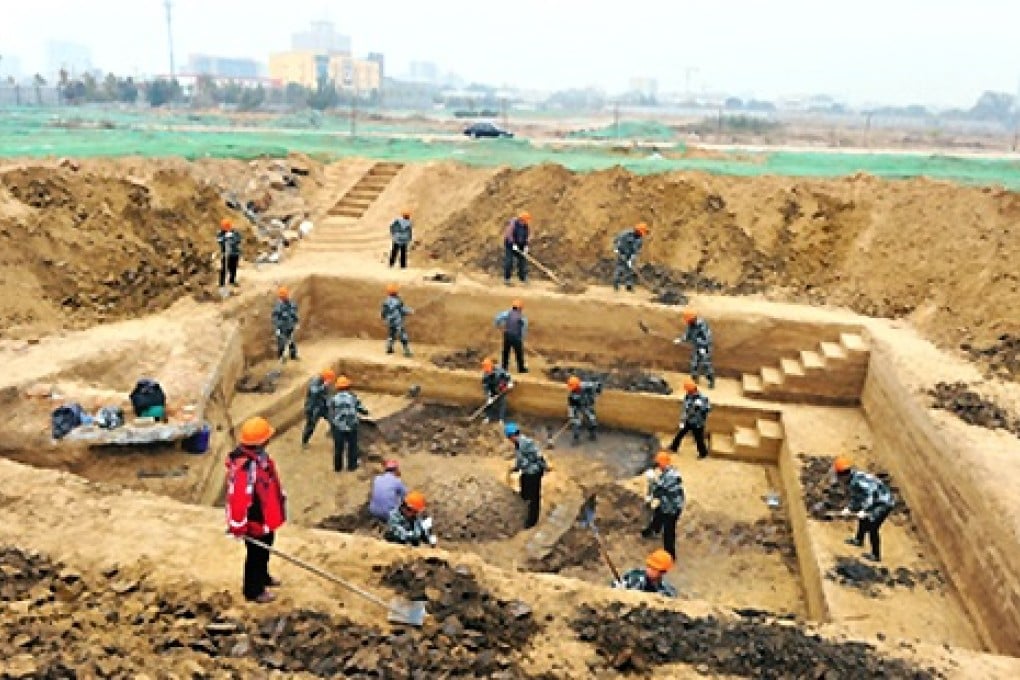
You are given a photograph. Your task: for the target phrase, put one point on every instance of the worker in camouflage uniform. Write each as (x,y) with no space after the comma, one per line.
(667,499)
(393,312)
(699,336)
(581,406)
(528,460)
(496,383)
(407,525)
(650,579)
(626,246)
(285,323)
(871,501)
(317,403)
(693,418)
(401,233)
(344,411)
(230,252)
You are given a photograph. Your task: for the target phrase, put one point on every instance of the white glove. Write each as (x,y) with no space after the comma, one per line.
(516,249)
(630,262)
(648,500)
(432,541)
(655,503)
(678,341)
(650,474)
(702,351)
(426,524)
(862,515)
(615,251)
(845,512)
(525,249)
(618,585)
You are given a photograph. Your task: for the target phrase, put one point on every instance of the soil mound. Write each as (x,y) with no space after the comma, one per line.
(868,578)
(626,379)
(839,241)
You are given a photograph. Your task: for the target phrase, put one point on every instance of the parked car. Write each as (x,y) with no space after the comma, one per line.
(477,130)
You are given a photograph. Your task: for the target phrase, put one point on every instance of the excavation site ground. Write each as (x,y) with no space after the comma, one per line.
(831,338)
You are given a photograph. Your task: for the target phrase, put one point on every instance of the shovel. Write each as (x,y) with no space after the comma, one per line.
(398,610)
(489,402)
(224,290)
(588,521)
(550,441)
(643,280)
(277,373)
(649,331)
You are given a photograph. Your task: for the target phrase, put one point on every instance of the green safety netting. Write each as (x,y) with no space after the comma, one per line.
(649,130)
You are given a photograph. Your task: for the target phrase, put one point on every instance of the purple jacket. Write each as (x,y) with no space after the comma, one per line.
(387,492)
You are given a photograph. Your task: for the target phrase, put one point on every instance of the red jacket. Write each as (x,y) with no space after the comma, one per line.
(255,501)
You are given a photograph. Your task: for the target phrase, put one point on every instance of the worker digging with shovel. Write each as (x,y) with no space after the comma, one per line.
(515,247)
(496,384)
(626,247)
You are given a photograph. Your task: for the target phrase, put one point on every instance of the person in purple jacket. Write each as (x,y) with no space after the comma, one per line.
(515,246)
(388,490)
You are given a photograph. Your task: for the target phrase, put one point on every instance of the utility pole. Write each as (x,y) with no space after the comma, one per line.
(616,119)
(168,4)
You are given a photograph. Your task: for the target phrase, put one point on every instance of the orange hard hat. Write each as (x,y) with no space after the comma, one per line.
(415,500)
(842,464)
(282,293)
(525,217)
(690,315)
(328,376)
(573,383)
(641,229)
(487,365)
(343,382)
(517,304)
(392,288)
(406,214)
(660,560)
(690,387)
(256,431)
(663,459)
(226,224)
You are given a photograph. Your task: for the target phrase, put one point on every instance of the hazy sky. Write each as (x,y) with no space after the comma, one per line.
(942,52)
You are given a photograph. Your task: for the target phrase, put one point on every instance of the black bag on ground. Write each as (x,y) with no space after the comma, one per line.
(64,419)
(147,393)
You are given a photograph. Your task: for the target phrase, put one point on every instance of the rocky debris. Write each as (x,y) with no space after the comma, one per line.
(249,383)
(635,639)
(972,408)
(358,521)
(850,571)
(471,508)
(469,358)
(625,378)
(444,431)
(1002,357)
(666,283)
(824,496)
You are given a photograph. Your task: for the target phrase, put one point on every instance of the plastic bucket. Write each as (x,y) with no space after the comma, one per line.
(198,442)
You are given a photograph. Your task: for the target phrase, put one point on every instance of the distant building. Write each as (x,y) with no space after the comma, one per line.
(71,57)
(647,87)
(309,68)
(223,67)
(378,58)
(321,37)
(424,72)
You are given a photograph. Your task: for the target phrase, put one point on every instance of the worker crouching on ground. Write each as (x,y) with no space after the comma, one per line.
(230,252)
(528,461)
(317,403)
(345,409)
(401,232)
(514,325)
(650,579)
(699,336)
(285,323)
(515,246)
(626,247)
(388,491)
(871,501)
(496,383)
(407,524)
(256,505)
(667,499)
(693,418)
(393,312)
(581,406)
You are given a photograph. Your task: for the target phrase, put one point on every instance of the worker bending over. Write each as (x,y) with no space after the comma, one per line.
(407,523)
(871,501)
(650,579)
(581,406)
(496,383)
(699,336)
(626,247)
(317,403)
(387,492)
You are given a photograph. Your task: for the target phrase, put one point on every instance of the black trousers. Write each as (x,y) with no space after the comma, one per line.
(531,491)
(282,344)
(512,259)
(342,440)
(871,527)
(400,248)
(699,439)
(228,269)
(666,523)
(256,567)
(497,409)
(515,343)
(311,420)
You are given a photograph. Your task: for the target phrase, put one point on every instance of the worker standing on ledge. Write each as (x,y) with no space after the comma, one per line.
(230,252)
(693,418)
(528,460)
(699,336)
(401,232)
(496,383)
(871,501)
(285,323)
(581,406)
(514,325)
(626,247)
(256,505)
(667,499)
(515,246)
(407,525)
(650,579)
(344,411)
(317,403)
(393,312)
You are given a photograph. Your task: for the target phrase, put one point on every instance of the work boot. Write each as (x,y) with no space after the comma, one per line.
(408,352)
(647,533)
(522,370)
(630,289)
(592,435)
(711,382)
(274,582)
(265,598)
(389,348)
(575,439)
(854,542)
(304,446)
(871,557)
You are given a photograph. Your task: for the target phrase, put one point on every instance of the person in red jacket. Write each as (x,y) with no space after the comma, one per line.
(256,505)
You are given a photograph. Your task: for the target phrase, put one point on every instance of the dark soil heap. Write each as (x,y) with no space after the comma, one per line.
(469,358)
(851,572)
(972,408)
(634,639)
(823,495)
(1002,357)
(626,379)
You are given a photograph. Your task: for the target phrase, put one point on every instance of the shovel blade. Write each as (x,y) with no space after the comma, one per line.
(587,514)
(274,374)
(407,612)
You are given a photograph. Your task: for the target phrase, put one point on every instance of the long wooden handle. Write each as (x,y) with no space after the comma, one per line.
(541,266)
(605,554)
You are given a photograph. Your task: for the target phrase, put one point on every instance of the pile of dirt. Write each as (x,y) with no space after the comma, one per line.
(624,378)
(972,408)
(468,358)
(1002,357)
(357,521)
(444,431)
(838,241)
(635,639)
(849,571)
(471,508)
(824,496)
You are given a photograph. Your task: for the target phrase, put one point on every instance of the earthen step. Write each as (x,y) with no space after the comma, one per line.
(361,195)
(853,342)
(791,367)
(751,384)
(771,376)
(769,429)
(346,212)
(811,360)
(377,184)
(746,438)
(832,350)
(722,445)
